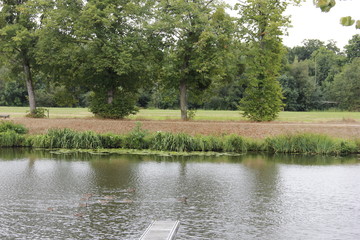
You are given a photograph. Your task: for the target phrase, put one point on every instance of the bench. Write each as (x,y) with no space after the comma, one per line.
(4,116)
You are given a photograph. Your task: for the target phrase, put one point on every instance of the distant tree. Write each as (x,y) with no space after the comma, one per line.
(346,87)
(305,51)
(352,49)
(326,64)
(299,88)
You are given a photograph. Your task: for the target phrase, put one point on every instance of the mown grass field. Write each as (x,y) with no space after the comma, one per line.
(201,115)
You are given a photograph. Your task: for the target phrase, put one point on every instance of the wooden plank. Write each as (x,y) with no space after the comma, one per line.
(161,230)
(4,116)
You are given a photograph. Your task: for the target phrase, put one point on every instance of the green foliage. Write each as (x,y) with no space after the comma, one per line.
(209,143)
(122,105)
(352,49)
(263,96)
(110,140)
(38,113)
(198,45)
(234,143)
(346,87)
(179,142)
(6,126)
(11,138)
(309,144)
(67,138)
(137,138)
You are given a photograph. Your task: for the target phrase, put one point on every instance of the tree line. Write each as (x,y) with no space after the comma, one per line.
(114,56)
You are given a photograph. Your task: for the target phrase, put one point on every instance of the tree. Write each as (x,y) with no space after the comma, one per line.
(104,46)
(346,87)
(299,88)
(19,21)
(352,49)
(262,25)
(198,40)
(327,5)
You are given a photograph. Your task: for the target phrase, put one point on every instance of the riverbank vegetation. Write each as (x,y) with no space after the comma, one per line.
(141,139)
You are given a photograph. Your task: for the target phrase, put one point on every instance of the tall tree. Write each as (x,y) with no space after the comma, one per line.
(198,38)
(104,46)
(262,24)
(19,21)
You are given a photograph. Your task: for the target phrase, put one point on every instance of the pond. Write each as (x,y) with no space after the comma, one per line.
(83,196)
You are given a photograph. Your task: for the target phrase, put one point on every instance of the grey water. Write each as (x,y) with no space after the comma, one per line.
(44,195)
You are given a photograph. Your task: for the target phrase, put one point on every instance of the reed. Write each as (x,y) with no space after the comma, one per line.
(235,143)
(310,144)
(11,139)
(12,135)
(178,142)
(67,138)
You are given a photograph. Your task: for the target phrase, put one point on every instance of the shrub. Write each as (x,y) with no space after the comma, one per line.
(11,139)
(123,104)
(10,126)
(38,113)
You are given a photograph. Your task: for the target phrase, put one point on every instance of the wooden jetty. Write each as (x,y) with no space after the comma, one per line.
(161,230)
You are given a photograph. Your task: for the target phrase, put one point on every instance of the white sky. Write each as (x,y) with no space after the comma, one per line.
(310,23)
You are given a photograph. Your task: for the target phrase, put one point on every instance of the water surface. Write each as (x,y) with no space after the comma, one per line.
(47,196)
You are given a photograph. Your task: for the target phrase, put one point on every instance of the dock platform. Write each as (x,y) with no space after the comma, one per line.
(161,230)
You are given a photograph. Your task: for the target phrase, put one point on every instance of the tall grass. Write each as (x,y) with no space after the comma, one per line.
(310,144)
(67,138)
(11,139)
(139,138)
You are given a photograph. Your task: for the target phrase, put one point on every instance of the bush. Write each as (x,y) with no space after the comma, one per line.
(123,104)
(39,113)
(10,126)
(11,139)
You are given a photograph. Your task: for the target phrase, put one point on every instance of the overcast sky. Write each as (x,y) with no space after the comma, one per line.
(310,23)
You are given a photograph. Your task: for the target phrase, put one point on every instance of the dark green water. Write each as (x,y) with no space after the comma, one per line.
(43,196)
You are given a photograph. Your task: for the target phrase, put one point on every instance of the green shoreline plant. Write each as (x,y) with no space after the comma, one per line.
(12,135)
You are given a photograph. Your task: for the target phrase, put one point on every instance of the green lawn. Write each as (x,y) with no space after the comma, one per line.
(157,114)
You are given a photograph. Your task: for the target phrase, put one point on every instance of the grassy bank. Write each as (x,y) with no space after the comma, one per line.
(201,115)
(13,135)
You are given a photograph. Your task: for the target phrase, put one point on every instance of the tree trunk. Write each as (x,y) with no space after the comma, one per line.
(30,87)
(183,100)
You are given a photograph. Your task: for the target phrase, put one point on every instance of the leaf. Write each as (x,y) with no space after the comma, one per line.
(347,21)
(357,24)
